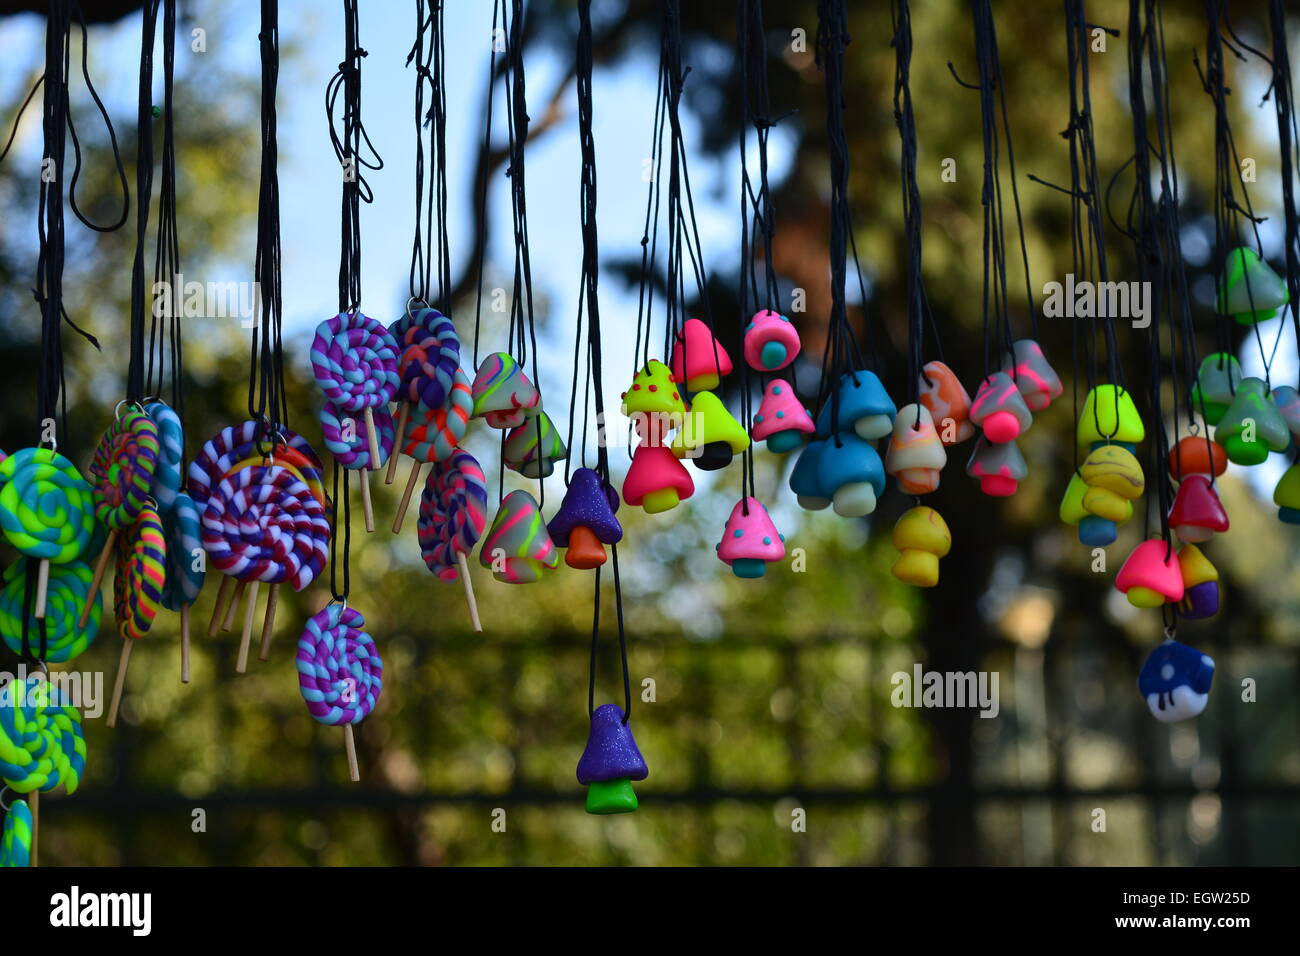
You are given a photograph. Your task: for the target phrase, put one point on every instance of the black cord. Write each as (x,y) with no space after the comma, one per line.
(589,299)
(429,56)
(917,302)
(348,143)
(165,348)
(1284,106)
(76,143)
(346,83)
(523,328)
(49,219)
(57,126)
(1229,214)
(684,247)
(485,161)
(1087,231)
(993,114)
(841,343)
(267,402)
(421,258)
(755,112)
(1156,229)
(653,170)
(144,158)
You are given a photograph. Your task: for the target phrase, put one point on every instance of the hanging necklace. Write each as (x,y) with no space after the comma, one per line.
(354,360)
(750,540)
(1024,380)
(1247,289)
(655,402)
(517,548)
(841,468)
(434,399)
(916,452)
(1287,493)
(47,509)
(585,522)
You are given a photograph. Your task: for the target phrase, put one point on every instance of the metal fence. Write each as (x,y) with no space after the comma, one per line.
(469,760)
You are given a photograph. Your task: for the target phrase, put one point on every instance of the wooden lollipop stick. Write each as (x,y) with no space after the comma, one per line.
(372,438)
(268,622)
(120,680)
(185,643)
(350,745)
(228,621)
(100,567)
(34,804)
(406,497)
(219,608)
(43,587)
(363,477)
(469,592)
(246,638)
(403,413)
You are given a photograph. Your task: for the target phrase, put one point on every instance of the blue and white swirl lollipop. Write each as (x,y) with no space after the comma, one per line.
(171,449)
(186,561)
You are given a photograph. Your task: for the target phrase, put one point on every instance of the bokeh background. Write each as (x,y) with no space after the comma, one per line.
(771,696)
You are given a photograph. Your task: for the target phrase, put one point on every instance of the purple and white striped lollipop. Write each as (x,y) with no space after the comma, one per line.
(348,437)
(340,673)
(236,443)
(264,524)
(354,360)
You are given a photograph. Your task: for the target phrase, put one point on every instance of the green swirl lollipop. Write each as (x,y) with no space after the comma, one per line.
(47,510)
(69,591)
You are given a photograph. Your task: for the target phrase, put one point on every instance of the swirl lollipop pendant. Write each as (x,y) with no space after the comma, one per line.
(184,578)
(122,470)
(348,440)
(234,448)
(263,524)
(41,744)
(47,513)
(137,590)
(340,673)
(16,842)
(355,362)
(434,436)
(429,363)
(171,451)
(68,592)
(453,515)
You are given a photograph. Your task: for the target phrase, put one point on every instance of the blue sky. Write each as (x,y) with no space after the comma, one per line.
(310,183)
(309,174)
(310,178)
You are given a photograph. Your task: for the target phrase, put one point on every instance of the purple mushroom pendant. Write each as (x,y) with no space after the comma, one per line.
(610,763)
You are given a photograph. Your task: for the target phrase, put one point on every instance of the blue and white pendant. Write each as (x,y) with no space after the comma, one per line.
(1175,680)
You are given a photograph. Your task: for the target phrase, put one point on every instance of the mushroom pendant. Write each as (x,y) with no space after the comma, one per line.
(921,537)
(750,541)
(1175,681)
(610,763)
(585,522)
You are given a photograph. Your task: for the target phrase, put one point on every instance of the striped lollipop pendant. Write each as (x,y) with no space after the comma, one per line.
(137,590)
